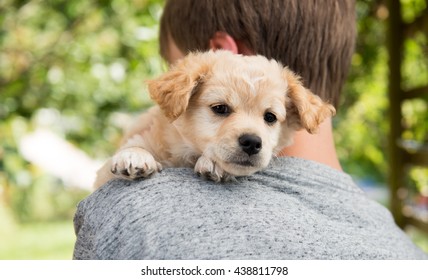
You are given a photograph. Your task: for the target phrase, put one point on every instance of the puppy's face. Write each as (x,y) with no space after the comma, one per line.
(238,111)
(235,117)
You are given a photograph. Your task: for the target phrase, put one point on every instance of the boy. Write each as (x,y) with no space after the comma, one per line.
(302,207)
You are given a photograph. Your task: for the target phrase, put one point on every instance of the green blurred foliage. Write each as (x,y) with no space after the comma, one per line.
(361,125)
(82,58)
(82,61)
(362,122)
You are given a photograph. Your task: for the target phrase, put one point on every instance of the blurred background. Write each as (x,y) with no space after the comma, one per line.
(72,72)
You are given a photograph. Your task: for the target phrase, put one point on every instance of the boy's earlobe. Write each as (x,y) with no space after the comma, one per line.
(223,41)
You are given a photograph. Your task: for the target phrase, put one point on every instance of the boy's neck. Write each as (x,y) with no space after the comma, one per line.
(317,147)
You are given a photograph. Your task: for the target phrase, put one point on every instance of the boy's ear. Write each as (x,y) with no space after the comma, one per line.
(304,109)
(223,41)
(172,90)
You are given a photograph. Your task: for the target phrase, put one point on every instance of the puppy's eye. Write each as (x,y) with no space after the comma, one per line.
(269,118)
(221,109)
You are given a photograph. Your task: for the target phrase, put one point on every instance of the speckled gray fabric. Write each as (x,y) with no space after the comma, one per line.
(296,209)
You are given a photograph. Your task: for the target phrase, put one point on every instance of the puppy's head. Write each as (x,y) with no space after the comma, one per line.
(236,110)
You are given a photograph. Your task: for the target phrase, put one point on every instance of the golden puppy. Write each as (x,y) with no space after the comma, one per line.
(222,114)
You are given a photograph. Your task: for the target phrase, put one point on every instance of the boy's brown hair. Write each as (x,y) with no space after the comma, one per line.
(314,38)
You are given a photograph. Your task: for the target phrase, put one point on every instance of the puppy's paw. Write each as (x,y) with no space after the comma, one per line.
(207,168)
(132,163)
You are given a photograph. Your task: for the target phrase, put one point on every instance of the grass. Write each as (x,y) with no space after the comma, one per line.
(419,238)
(38,241)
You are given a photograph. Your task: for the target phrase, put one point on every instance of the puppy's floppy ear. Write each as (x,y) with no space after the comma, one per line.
(304,109)
(172,90)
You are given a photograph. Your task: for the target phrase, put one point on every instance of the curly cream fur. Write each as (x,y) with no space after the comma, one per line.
(183,129)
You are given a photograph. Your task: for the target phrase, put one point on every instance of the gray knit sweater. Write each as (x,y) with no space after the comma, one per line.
(296,209)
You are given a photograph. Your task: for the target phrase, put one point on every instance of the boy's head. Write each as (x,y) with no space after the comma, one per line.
(313,38)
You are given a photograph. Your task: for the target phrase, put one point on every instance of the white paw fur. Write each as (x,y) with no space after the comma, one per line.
(134,162)
(207,168)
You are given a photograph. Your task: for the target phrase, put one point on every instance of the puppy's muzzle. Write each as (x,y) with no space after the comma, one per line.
(250,144)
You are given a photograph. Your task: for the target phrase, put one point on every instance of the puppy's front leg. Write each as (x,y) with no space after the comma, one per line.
(133,161)
(207,168)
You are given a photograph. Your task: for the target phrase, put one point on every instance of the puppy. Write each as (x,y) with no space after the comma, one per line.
(222,114)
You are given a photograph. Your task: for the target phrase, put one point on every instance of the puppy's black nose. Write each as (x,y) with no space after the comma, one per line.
(251,144)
